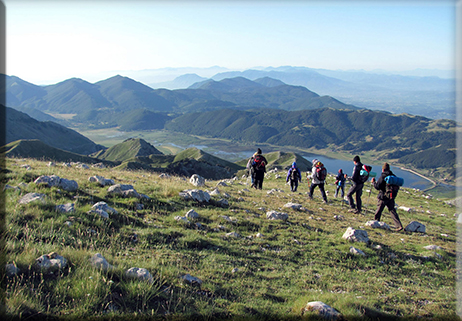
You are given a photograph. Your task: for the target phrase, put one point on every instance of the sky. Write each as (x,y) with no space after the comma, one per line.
(50,41)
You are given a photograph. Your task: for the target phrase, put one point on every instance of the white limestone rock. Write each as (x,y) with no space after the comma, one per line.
(197,180)
(323,310)
(377,224)
(354,235)
(273,215)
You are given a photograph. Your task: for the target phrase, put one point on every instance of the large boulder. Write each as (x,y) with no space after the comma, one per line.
(197,180)
(354,235)
(415,226)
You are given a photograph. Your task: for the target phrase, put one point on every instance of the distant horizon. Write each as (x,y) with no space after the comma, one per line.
(176,72)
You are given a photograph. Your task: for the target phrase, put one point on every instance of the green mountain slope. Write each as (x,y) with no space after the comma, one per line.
(34,148)
(21,126)
(128,149)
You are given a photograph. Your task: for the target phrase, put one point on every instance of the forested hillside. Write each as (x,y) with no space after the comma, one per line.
(411,139)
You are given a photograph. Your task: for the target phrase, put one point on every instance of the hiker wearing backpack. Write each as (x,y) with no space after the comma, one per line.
(250,168)
(259,169)
(318,176)
(386,197)
(295,176)
(340,183)
(356,187)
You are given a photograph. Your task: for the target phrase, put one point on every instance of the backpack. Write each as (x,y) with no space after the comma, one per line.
(321,172)
(294,174)
(392,186)
(258,162)
(364,173)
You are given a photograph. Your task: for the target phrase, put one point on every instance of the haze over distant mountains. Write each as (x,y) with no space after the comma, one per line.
(429,96)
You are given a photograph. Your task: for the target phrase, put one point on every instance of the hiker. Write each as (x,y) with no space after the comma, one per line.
(384,199)
(250,168)
(295,176)
(340,182)
(318,176)
(356,187)
(259,163)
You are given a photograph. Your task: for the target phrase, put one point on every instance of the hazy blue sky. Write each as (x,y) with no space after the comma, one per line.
(49,41)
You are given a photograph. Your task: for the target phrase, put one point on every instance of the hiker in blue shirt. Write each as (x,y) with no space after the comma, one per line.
(340,182)
(295,176)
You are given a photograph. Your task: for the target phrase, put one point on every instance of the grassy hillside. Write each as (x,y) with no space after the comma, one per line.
(34,148)
(129,148)
(266,276)
(19,125)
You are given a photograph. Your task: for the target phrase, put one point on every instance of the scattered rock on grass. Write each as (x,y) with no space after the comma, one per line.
(356,251)
(273,215)
(378,224)
(191,279)
(51,262)
(32,197)
(65,208)
(415,226)
(197,180)
(195,195)
(11,270)
(354,235)
(141,274)
(323,310)
(192,214)
(101,180)
(100,262)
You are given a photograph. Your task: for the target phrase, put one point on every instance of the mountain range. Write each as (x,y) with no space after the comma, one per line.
(428,96)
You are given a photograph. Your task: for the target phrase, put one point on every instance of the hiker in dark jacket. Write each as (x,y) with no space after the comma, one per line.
(318,176)
(356,187)
(259,169)
(383,200)
(340,183)
(295,176)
